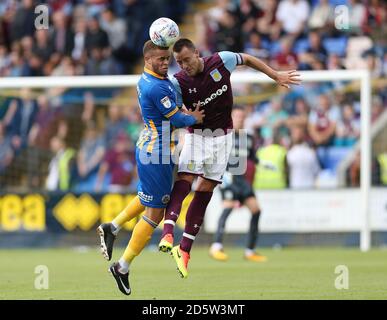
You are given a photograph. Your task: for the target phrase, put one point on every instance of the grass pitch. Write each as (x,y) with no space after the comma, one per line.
(298,273)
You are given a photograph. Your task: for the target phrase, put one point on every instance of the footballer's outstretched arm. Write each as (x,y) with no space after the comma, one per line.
(283,78)
(185,119)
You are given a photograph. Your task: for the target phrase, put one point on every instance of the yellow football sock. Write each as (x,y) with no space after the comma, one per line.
(142,233)
(132,210)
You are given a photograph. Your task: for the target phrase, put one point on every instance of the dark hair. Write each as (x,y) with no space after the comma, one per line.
(150,46)
(181,43)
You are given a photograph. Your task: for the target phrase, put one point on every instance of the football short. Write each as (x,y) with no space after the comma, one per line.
(236,188)
(205,156)
(155,180)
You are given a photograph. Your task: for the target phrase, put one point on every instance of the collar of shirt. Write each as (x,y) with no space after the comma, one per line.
(152,73)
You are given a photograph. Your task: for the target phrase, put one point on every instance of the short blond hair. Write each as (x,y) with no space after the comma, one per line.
(150,46)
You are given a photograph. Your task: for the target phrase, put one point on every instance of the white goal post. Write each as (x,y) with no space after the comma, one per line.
(246,77)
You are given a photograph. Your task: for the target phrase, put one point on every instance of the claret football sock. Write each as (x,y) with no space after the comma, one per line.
(180,190)
(194,219)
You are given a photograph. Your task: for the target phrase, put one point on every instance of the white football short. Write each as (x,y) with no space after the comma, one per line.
(205,155)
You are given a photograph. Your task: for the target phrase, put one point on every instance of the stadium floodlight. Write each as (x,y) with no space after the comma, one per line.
(246,77)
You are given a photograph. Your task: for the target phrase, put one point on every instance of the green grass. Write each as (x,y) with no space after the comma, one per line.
(289,274)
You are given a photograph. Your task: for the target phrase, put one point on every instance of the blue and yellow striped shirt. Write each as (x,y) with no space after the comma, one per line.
(157,99)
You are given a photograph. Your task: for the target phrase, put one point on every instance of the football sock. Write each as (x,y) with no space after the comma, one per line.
(216,246)
(222,224)
(142,233)
(253,231)
(132,210)
(194,219)
(180,190)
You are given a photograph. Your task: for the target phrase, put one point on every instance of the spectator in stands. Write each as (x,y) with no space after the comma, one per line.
(100,63)
(49,122)
(42,46)
(348,127)
(285,59)
(353,172)
(23,22)
(376,15)
(228,37)
(115,125)
(377,108)
(275,155)
(384,64)
(254,47)
(79,51)
(334,62)
(91,152)
(267,24)
(292,16)
(322,17)
(60,167)
(135,123)
(274,121)
(95,36)
(61,5)
(27,44)
(22,115)
(120,163)
(35,65)
(253,119)
(378,171)
(66,67)
(300,116)
(215,13)
(88,111)
(96,7)
(374,64)
(382,168)
(322,122)
(315,56)
(18,66)
(247,13)
(208,24)
(6,151)
(357,16)
(115,29)
(62,37)
(5,60)
(302,161)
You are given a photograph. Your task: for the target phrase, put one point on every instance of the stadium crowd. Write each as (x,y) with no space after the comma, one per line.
(84,139)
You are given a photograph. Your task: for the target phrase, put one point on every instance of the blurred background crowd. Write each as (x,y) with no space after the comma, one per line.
(83,139)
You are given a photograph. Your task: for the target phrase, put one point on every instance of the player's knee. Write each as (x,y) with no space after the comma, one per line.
(205,185)
(252,204)
(186,177)
(156,215)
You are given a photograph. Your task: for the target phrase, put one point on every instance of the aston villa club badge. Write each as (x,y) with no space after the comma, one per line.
(215,74)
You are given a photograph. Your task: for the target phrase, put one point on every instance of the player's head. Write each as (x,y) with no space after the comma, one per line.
(238,117)
(156,58)
(187,56)
(297,134)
